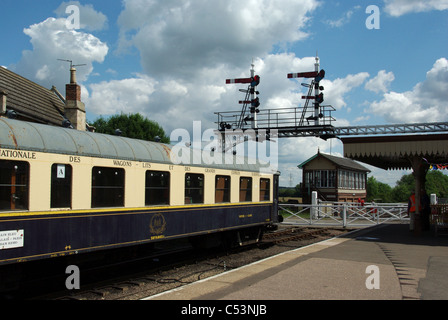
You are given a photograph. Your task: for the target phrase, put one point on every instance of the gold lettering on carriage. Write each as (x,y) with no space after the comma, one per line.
(122,163)
(18,154)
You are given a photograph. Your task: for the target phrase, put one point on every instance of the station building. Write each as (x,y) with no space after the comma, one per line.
(335,179)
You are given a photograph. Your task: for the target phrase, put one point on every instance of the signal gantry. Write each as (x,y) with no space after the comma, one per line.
(253,123)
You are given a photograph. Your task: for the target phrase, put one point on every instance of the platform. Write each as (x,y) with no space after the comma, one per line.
(391,260)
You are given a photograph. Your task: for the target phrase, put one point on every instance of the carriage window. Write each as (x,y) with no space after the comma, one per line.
(61,186)
(107,187)
(14,177)
(194,188)
(222,189)
(157,188)
(265,189)
(245,189)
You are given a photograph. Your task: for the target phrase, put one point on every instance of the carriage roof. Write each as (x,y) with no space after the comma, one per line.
(21,135)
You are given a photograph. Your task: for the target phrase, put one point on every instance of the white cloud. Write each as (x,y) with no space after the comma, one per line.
(361,119)
(179,38)
(121,96)
(43,73)
(426,102)
(398,8)
(90,19)
(192,47)
(273,69)
(344,19)
(436,83)
(51,40)
(172,103)
(381,82)
(176,103)
(335,90)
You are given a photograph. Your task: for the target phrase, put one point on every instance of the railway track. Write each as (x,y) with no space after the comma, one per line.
(294,233)
(158,273)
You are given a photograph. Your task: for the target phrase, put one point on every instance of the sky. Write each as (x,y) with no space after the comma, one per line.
(386,61)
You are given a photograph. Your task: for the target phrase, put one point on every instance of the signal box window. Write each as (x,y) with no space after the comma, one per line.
(157,188)
(265,192)
(222,189)
(245,189)
(14,182)
(107,187)
(61,186)
(194,188)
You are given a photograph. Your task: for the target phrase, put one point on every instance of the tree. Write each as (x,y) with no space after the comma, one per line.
(403,188)
(437,183)
(131,126)
(378,191)
(291,192)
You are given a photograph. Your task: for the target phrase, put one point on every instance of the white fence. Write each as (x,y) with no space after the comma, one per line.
(343,213)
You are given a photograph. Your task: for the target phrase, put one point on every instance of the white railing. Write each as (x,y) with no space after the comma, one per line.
(343,213)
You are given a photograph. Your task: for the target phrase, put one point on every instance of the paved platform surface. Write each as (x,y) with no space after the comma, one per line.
(391,260)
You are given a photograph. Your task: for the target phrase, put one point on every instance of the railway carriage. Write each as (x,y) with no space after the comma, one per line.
(65,192)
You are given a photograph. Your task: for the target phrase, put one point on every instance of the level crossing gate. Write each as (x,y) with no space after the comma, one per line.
(345,214)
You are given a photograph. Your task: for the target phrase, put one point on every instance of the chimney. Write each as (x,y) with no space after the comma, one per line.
(3,95)
(75,110)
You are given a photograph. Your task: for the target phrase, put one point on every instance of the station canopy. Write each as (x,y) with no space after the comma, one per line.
(398,151)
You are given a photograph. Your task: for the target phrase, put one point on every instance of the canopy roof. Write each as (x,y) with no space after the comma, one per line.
(396,151)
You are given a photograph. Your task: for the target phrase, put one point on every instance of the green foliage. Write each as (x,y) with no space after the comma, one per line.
(436,182)
(132,126)
(378,191)
(404,188)
(291,192)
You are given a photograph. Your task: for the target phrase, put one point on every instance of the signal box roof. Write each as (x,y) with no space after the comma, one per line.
(339,162)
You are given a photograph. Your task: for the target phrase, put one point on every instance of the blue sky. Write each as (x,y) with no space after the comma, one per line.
(168,60)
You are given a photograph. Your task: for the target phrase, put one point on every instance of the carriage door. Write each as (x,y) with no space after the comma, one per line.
(14,177)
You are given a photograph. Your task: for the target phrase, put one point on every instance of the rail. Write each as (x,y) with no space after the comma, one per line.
(343,214)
